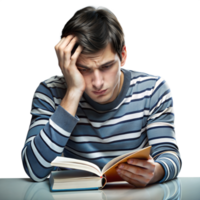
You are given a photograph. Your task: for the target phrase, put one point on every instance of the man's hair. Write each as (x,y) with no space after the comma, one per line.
(95,29)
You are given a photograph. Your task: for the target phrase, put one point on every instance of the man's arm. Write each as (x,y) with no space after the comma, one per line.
(166,162)
(70,102)
(159,173)
(48,134)
(161,131)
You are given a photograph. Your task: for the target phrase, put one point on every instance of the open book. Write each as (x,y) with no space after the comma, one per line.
(88,175)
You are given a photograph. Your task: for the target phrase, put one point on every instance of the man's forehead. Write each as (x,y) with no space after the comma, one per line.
(98,61)
(98,64)
(98,58)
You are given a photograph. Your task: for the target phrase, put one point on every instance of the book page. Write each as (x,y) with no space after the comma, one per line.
(76,164)
(72,175)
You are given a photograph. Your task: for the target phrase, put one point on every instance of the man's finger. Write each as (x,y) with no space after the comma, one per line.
(138,162)
(147,164)
(133,179)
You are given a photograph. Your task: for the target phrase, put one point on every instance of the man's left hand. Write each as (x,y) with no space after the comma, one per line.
(140,173)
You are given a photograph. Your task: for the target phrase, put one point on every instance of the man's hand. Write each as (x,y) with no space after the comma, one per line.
(140,173)
(74,79)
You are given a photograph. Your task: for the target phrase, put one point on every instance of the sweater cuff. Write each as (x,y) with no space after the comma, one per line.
(171,165)
(64,119)
(165,169)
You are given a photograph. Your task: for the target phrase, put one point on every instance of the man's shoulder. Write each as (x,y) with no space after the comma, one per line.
(138,74)
(55,82)
(145,80)
(54,79)
(148,80)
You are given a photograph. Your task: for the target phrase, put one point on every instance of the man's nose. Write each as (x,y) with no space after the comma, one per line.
(97,80)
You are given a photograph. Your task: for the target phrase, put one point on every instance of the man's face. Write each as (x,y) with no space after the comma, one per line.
(102,81)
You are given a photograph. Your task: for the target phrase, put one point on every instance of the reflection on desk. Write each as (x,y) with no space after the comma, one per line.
(177,189)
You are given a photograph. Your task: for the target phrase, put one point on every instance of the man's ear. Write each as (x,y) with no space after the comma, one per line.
(124,55)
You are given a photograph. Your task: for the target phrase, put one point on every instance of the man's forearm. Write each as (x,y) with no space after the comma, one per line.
(158,174)
(70,101)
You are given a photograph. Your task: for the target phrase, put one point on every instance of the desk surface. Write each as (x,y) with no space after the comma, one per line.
(180,188)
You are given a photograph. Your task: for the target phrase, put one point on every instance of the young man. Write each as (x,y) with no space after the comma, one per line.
(98,110)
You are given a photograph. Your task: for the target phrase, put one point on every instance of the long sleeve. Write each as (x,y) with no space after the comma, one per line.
(48,133)
(161,131)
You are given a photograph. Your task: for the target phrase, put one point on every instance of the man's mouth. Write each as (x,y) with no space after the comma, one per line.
(99,92)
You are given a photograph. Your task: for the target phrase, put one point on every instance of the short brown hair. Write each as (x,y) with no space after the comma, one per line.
(95,29)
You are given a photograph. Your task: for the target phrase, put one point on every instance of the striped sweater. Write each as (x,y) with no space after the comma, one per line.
(141,115)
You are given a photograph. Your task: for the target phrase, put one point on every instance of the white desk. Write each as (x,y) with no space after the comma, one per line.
(181,188)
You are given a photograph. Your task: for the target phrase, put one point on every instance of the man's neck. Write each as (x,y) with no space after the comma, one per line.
(121,82)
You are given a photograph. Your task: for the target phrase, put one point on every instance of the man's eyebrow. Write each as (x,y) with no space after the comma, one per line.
(107,63)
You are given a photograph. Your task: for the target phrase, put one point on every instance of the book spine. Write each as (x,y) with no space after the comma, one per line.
(103,182)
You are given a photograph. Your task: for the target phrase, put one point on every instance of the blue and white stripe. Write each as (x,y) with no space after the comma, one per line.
(144,116)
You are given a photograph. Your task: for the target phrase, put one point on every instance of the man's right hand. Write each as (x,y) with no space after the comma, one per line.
(74,79)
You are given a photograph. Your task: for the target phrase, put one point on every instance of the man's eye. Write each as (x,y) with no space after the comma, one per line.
(105,67)
(83,70)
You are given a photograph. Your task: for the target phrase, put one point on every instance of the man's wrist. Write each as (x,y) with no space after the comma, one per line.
(158,174)
(70,101)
